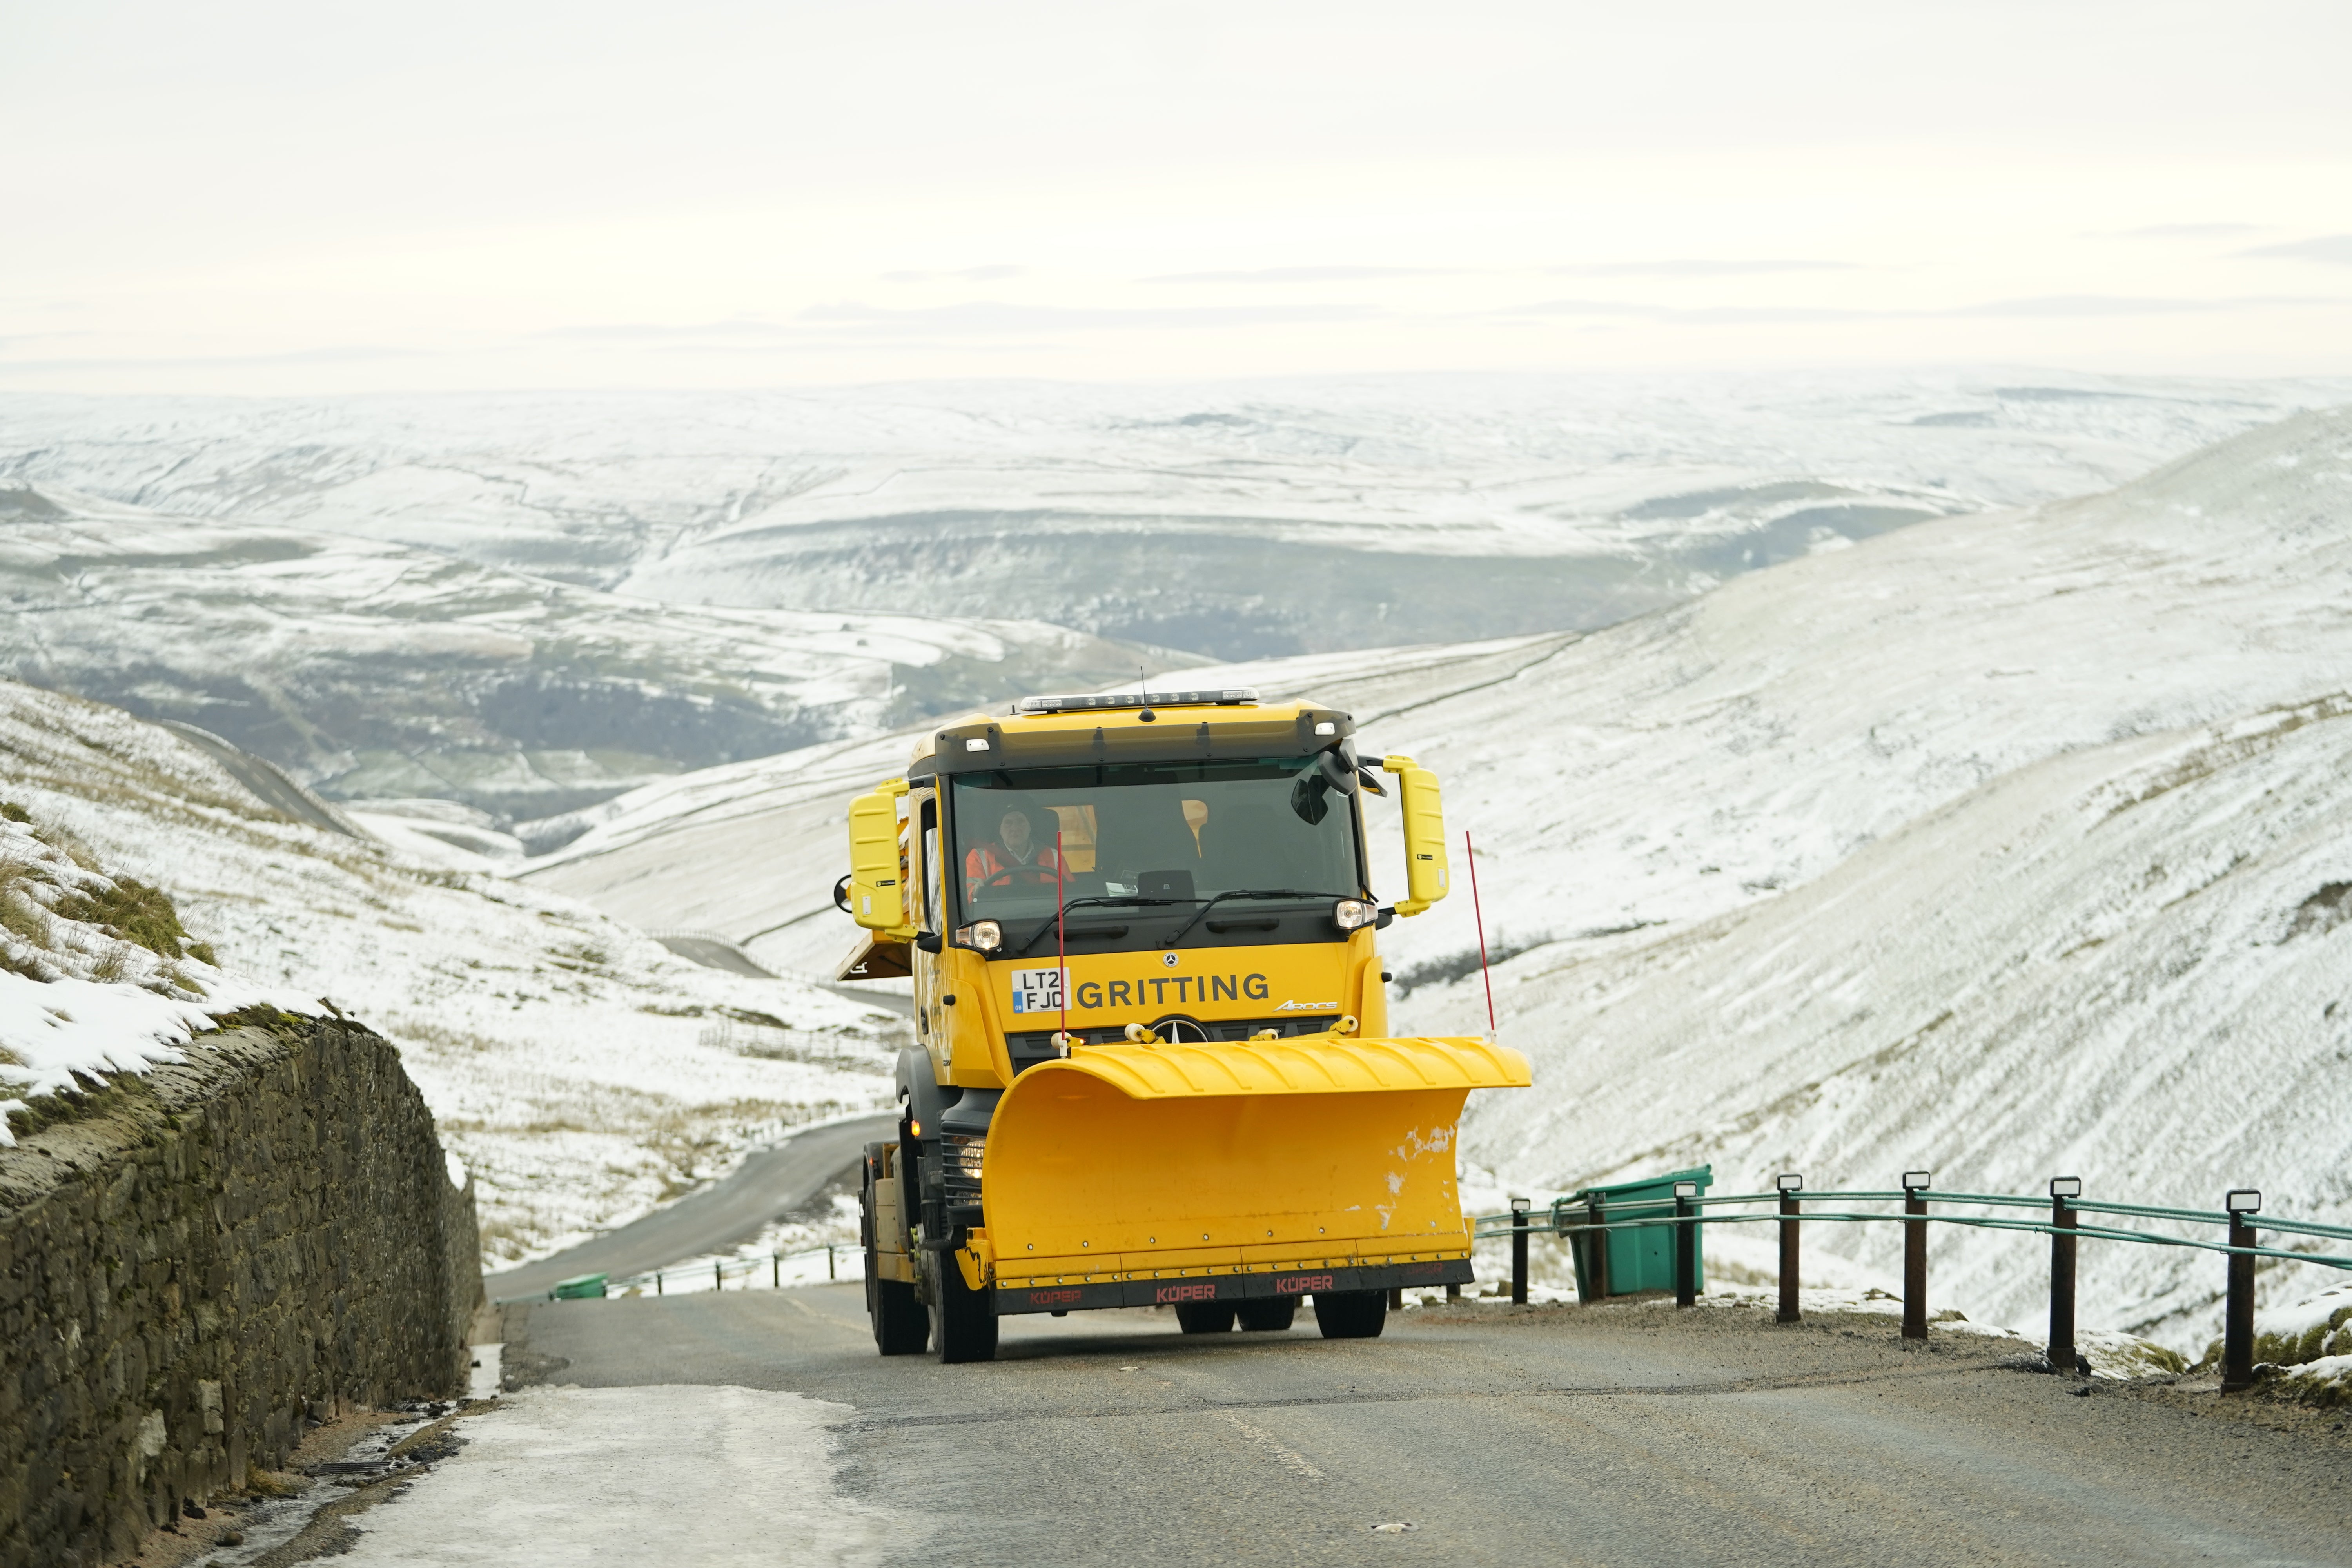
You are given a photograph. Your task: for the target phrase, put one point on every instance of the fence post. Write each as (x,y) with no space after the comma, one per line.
(1519,1252)
(775,1271)
(1685,1244)
(657,1290)
(717,1278)
(1596,1215)
(2237,1314)
(1789,1186)
(1915,1254)
(831,1267)
(2062,1221)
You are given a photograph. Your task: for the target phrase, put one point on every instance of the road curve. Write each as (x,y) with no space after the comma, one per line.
(269,783)
(713,952)
(771,1182)
(726,953)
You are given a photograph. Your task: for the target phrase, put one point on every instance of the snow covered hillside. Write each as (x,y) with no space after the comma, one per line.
(582,1071)
(381,670)
(2008,846)
(1232,520)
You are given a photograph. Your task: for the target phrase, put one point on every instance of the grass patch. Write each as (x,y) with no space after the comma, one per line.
(20,916)
(127,1092)
(130,911)
(2330,1338)
(441,1037)
(262,1016)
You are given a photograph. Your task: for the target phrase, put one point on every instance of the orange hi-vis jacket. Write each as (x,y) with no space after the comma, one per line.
(985,861)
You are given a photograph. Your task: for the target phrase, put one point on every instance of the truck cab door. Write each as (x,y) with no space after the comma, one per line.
(927,885)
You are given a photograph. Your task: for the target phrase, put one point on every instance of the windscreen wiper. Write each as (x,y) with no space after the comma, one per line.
(1246,893)
(1031,939)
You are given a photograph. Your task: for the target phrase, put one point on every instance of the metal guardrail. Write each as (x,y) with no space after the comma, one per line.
(2240,1212)
(721,1270)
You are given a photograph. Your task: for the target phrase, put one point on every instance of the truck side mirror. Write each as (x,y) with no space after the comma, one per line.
(1424,834)
(877,891)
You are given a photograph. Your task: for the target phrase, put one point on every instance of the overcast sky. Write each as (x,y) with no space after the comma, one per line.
(317,197)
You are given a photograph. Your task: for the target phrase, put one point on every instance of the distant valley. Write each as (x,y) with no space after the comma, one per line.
(523,606)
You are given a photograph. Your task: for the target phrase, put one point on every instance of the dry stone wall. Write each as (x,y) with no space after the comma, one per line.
(197,1261)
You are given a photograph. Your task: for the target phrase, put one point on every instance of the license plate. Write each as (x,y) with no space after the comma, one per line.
(1037,990)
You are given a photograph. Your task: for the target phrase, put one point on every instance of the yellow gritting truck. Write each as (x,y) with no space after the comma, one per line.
(1154,1065)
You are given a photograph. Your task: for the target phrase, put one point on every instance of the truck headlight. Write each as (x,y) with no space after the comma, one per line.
(1349,913)
(985,935)
(964,1154)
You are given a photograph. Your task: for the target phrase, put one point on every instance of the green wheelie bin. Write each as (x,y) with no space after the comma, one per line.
(1638,1259)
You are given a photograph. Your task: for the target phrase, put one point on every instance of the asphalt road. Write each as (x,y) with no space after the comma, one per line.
(1626,1436)
(771,1183)
(713,952)
(720,952)
(269,783)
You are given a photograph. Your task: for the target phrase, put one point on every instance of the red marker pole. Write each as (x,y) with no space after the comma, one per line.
(1479,915)
(1060,937)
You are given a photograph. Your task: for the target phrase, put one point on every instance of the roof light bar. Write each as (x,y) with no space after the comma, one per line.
(1230,698)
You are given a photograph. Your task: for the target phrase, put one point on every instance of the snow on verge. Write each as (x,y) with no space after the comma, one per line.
(97,976)
(711,1476)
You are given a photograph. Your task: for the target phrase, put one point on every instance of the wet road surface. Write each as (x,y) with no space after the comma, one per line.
(1629,1435)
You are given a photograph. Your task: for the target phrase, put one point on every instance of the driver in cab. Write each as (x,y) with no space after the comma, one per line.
(998,868)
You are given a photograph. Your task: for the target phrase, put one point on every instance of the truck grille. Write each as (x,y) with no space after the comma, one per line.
(1030,1048)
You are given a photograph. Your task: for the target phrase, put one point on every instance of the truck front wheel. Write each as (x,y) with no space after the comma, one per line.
(1351,1314)
(962,1328)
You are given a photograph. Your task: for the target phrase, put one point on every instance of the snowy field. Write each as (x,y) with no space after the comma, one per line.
(582,1072)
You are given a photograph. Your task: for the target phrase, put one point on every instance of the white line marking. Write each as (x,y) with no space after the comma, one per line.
(1290,1458)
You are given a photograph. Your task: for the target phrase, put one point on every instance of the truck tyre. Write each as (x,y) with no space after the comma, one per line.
(1270,1315)
(962,1328)
(1351,1314)
(1204,1316)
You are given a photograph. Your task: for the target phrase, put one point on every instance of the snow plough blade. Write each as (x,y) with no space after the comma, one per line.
(1134,1173)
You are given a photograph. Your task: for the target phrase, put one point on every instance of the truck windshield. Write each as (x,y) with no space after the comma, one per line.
(1141,833)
